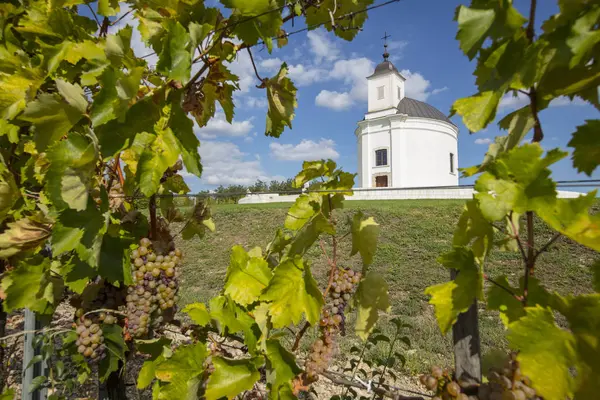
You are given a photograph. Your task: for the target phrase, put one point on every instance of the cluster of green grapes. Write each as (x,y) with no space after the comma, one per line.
(507,383)
(332,323)
(155,278)
(90,339)
(441,381)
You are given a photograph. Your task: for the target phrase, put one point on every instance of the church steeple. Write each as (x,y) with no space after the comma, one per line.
(386,84)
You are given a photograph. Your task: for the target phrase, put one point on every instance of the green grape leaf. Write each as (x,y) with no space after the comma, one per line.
(76,274)
(473,27)
(8,394)
(262,22)
(52,117)
(478,110)
(175,60)
(499,299)
(544,352)
(113,263)
(292,292)
(370,298)
(183,129)
(572,218)
(345,28)
(281,95)
(232,318)
(117,92)
(9,130)
(584,36)
(186,361)
(30,285)
(81,231)
(455,297)
(246,277)
(314,169)
(365,232)
(108,8)
(304,209)
(199,222)
(134,130)
(302,242)
(583,314)
(586,146)
(115,350)
(9,192)
(281,365)
(198,313)
(230,378)
(71,170)
(24,234)
(154,161)
(473,227)
(518,180)
(16,90)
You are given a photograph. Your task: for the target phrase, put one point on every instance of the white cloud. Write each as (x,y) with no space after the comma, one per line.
(483,141)
(271,64)
(242,67)
(565,101)
(416,85)
(304,76)
(396,45)
(218,126)
(322,46)
(305,150)
(334,100)
(439,90)
(248,139)
(352,73)
(257,102)
(225,164)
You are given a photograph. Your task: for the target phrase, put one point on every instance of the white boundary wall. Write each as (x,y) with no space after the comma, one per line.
(386,194)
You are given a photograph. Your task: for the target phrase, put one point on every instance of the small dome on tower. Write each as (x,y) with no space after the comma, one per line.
(385,66)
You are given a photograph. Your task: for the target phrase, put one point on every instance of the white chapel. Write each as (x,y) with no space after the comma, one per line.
(403,142)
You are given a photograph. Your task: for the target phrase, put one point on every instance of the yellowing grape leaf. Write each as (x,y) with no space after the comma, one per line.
(365,232)
(314,169)
(499,299)
(15,92)
(293,292)
(456,296)
(586,146)
(478,110)
(370,298)
(281,95)
(108,8)
(24,234)
(246,276)
(9,192)
(473,227)
(198,313)
(155,160)
(303,210)
(545,352)
(573,218)
(230,378)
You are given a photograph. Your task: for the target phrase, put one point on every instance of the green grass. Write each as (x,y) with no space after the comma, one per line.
(413,234)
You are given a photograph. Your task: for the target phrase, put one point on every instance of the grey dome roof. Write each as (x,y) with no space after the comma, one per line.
(385,66)
(416,108)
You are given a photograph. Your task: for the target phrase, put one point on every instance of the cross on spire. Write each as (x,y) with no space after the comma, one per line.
(385,45)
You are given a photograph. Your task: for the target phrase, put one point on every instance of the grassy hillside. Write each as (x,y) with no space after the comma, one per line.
(413,235)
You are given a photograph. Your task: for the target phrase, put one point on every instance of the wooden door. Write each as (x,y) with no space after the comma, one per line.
(381,181)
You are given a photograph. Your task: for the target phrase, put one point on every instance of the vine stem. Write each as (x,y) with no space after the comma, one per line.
(340,380)
(387,361)
(547,245)
(513,294)
(254,65)
(530,262)
(360,358)
(152,207)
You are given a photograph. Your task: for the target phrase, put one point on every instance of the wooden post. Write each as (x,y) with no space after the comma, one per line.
(37,369)
(467,349)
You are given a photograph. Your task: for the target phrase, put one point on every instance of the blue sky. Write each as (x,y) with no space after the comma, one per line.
(330,76)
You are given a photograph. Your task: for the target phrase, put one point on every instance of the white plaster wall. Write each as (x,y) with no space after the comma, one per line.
(425,150)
